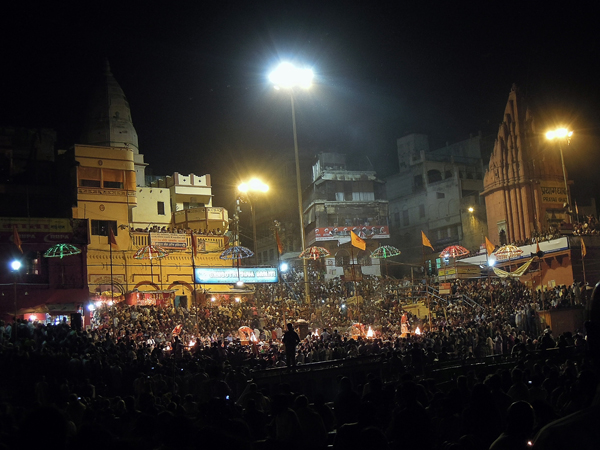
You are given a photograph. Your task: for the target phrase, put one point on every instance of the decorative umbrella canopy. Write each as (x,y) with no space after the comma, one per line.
(507,252)
(454,251)
(150,252)
(385,251)
(237,252)
(314,253)
(60,250)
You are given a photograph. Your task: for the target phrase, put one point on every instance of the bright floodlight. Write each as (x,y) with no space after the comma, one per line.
(286,75)
(559,133)
(283,267)
(253,185)
(491,262)
(15,265)
(239,283)
(471,209)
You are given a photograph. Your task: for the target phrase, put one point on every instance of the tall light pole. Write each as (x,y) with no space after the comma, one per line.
(287,76)
(15,266)
(562,134)
(254,185)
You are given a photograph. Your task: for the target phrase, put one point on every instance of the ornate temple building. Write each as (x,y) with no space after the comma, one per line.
(524,188)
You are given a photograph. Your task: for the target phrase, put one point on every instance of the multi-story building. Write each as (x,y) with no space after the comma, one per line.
(524,188)
(342,198)
(437,192)
(102,179)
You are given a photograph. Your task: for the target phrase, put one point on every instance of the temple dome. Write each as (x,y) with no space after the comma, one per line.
(108,122)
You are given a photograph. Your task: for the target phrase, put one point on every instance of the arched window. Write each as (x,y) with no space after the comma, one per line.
(342,258)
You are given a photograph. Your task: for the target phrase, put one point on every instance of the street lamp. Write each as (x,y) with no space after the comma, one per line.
(15,266)
(561,134)
(287,76)
(254,185)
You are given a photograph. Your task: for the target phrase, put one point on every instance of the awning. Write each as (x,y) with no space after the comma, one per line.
(224,289)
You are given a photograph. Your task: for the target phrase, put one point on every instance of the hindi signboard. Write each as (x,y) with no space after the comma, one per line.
(169,241)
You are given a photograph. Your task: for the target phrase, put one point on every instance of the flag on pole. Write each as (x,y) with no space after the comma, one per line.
(576,209)
(426,242)
(112,240)
(17,239)
(537,248)
(279,243)
(489,247)
(194,246)
(583,249)
(357,242)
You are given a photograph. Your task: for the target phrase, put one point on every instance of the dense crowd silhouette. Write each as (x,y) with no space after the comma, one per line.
(486,374)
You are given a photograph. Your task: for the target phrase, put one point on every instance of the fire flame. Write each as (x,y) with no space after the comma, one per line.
(192,343)
(317,332)
(370,333)
(253,338)
(418,331)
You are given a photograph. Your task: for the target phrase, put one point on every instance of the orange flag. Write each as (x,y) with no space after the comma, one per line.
(17,239)
(112,240)
(194,246)
(426,242)
(357,242)
(583,249)
(489,247)
(279,243)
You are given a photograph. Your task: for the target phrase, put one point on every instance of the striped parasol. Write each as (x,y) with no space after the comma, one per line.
(237,252)
(507,252)
(454,251)
(150,252)
(385,251)
(61,250)
(314,253)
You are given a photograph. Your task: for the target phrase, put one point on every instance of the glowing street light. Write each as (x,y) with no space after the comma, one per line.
(561,134)
(15,266)
(287,76)
(254,185)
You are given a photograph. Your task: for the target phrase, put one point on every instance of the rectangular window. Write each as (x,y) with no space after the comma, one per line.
(101,227)
(89,183)
(271,254)
(405,221)
(440,195)
(160,208)
(397,218)
(259,258)
(421,211)
(113,184)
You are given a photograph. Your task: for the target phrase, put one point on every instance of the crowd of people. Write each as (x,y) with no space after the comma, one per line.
(167,377)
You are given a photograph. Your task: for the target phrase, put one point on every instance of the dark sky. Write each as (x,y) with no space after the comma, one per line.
(195,74)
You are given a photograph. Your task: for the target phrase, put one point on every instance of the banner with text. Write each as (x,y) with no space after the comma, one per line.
(364,232)
(169,241)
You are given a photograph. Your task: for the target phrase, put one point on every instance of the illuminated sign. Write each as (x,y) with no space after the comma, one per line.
(230,275)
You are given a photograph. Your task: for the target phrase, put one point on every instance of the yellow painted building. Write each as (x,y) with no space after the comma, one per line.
(112,195)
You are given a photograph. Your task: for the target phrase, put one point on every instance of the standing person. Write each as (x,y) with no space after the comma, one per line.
(291,340)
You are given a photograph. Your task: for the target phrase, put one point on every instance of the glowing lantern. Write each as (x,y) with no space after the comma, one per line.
(370,333)
(418,331)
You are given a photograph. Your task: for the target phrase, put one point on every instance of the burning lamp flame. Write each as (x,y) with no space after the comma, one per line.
(192,343)
(418,331)
(370,333)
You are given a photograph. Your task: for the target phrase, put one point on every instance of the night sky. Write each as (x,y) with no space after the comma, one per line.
(195,74)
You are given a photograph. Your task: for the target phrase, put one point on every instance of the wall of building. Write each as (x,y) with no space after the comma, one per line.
(146,212)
